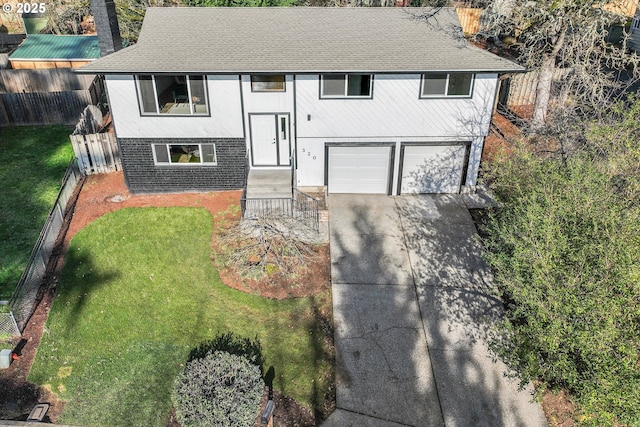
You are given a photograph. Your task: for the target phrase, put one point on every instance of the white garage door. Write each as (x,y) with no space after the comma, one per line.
(432,168)
(363,170)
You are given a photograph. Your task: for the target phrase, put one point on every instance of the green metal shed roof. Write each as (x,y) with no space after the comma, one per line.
(51,47)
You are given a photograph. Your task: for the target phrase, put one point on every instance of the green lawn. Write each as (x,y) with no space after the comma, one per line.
(33,161)
(139,291)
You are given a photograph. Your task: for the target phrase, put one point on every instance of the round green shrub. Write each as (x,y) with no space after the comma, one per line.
(220,390)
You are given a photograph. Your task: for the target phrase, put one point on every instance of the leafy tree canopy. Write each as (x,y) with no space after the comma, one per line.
(565,248)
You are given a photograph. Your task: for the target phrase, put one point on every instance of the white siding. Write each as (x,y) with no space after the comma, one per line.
(311,156)
(395,110)
(269,102)
(225,120)
(395,114)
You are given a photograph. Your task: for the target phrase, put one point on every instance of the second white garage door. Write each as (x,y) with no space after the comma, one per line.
(432,168)
(363,170)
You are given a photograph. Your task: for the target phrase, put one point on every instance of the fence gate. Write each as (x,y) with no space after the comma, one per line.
(96,153)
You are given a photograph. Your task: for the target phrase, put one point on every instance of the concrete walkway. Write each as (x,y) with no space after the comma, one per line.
(412,298)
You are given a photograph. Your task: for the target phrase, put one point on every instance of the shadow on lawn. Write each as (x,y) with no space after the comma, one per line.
(81,277)
(321,341)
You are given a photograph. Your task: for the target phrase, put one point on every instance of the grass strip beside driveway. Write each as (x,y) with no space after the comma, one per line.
(138,291)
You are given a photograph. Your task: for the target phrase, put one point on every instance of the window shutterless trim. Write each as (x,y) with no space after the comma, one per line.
(284,83)
(446,87)
(136,80)
(170,163)
(346,87)
(155,93)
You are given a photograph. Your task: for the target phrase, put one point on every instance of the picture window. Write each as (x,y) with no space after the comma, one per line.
(185,154)
(172,95)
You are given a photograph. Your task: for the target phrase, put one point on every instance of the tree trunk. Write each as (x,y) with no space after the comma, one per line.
(543,92)
(545,78)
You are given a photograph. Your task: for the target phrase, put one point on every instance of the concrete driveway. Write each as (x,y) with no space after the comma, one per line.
(412,299)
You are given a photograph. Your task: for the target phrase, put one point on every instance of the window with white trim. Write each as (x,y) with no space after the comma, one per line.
(172,94)
(185,154)
(268,83)
(346,85)
(438,85)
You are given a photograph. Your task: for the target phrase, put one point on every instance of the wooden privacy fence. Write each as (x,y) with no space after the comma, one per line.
(520,89)
(470,18)
(51,96)
(43,108)
(47,80)
(96,153)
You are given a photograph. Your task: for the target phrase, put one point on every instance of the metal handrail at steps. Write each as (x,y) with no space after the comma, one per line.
(299,206)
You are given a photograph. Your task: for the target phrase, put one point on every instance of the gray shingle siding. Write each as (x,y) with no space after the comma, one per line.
(143,176)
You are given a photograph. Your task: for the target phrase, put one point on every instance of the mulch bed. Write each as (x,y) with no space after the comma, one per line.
(102,194)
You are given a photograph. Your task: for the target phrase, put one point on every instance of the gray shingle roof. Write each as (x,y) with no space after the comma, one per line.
(298,39)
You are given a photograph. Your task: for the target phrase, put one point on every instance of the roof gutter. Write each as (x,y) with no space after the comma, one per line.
(256,72)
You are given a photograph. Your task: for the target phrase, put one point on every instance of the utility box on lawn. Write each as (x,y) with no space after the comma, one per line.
(267,415)
(5,358)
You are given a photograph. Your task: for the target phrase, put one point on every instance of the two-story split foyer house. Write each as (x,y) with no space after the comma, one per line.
(353,100)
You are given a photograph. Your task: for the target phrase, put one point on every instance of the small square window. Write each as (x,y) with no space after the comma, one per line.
(434,84)
(333,85)
(459,84)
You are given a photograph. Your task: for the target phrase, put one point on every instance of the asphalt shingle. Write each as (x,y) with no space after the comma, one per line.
(299,39)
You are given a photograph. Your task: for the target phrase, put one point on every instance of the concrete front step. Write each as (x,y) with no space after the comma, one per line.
(269,184)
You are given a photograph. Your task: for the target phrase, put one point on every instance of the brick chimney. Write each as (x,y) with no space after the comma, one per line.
(106,21)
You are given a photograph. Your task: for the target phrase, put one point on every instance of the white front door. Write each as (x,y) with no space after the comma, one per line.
(269,139)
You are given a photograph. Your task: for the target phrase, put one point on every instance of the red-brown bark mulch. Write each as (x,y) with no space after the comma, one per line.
(106,193)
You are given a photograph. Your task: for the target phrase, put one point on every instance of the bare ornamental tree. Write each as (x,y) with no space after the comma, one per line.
(570,34)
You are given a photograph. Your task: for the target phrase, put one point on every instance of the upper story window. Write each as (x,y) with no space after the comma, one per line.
(268,83)
(172,94)
(438,85)
(346,86)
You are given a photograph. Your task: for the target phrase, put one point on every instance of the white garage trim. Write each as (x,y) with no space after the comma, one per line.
(359,168)
(433,168)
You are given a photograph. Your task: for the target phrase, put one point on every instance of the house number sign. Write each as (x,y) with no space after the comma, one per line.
(304,150)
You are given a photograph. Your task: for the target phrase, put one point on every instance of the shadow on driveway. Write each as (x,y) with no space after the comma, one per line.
(413,301)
